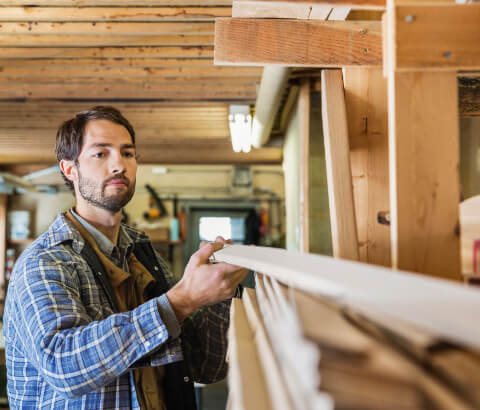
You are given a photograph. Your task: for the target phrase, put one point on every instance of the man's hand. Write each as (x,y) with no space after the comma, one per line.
(204,283)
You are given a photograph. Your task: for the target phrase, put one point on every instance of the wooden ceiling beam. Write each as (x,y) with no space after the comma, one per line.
(439,37)
(98,14)
(166,153)
(105,52)
(297,42)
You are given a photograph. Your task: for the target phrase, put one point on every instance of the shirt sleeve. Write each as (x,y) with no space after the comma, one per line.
(204,337)
(74,354)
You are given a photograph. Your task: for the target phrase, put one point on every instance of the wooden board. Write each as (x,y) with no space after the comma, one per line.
(69,14)
(279,9)
(248,389)
(420,301)
(304,129)
(366,103)
(339,175)
(297,42)
(424,175)
(437,36)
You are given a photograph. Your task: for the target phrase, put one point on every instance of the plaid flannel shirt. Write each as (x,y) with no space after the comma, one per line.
(67,348)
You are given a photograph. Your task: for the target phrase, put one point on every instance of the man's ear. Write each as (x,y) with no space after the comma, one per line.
(69,169)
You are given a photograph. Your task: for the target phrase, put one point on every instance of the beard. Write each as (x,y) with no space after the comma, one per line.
(94,192)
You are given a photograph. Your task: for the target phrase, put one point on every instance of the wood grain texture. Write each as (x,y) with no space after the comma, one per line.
(424,175)
(440,37)
(469,96)
(97,14)
(113,3)
(106,52)
(366,103)
(297,42)
(279,9)
(339,175)
(246,377)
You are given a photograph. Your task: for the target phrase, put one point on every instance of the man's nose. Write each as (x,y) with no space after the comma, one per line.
(117,163)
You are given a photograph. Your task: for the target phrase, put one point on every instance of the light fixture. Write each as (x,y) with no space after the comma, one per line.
(240,122)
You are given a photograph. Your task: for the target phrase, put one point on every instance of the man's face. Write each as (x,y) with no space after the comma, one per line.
(107,166)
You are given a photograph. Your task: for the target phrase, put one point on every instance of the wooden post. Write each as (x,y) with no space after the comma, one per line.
(339,175)
(304,112)
(366,102)
(424,161)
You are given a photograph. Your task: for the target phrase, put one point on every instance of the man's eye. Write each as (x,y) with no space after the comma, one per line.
(99,155)
(128,154)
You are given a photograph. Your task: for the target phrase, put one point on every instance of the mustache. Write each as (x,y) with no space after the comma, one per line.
(117,177)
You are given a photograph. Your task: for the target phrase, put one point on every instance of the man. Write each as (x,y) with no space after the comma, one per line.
(92,316)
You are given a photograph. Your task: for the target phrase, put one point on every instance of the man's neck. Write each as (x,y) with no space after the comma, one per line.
(105,221)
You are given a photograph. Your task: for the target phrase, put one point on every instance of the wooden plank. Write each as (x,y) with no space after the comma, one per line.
(356,4)
(420,301)
(3,244)
(97,14)
(304,130)
(106,52)
(114,3)
(440,37)
(104,28)
(366,103)
(276,384)
(72,71)
(424,179)
(246,377)
(297,42)
(53,64)
(279,9)
(339,175)
(103,40)
(150,153)
(125,91)
(339,13)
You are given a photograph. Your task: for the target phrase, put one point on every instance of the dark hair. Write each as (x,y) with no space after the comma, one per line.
(69,139)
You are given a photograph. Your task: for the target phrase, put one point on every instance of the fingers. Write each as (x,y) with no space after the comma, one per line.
(201,256)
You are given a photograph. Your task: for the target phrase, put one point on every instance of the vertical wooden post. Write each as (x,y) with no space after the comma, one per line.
(366,103)
(339,175)
(3,242)
(424,160)
(304,112)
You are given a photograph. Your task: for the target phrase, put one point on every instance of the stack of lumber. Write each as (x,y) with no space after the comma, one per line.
(297,349)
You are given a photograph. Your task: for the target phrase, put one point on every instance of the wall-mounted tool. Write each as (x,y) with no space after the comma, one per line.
(156,208)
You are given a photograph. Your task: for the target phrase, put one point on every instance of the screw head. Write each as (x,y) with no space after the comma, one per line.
(410,18)
(447,54)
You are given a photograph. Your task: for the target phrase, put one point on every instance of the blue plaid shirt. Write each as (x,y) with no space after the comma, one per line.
(66,348)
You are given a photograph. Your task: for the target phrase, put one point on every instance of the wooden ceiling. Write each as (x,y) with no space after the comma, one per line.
(152,59)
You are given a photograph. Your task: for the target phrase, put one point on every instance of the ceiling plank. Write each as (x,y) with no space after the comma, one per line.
(72,71)
(98,14)
(137,81)
(106,52)
(104,28)
(108,62)
(297,42)
(99,40)
(118,3)
(114,91)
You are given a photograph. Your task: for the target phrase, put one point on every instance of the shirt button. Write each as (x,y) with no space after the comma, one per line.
(156,268)
(99,273)
(186,379)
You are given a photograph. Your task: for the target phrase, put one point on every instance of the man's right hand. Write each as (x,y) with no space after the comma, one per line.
(204,283)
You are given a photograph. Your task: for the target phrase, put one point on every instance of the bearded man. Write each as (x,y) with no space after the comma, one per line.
(93,318)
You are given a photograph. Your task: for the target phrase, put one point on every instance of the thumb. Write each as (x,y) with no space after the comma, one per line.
(201,256)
